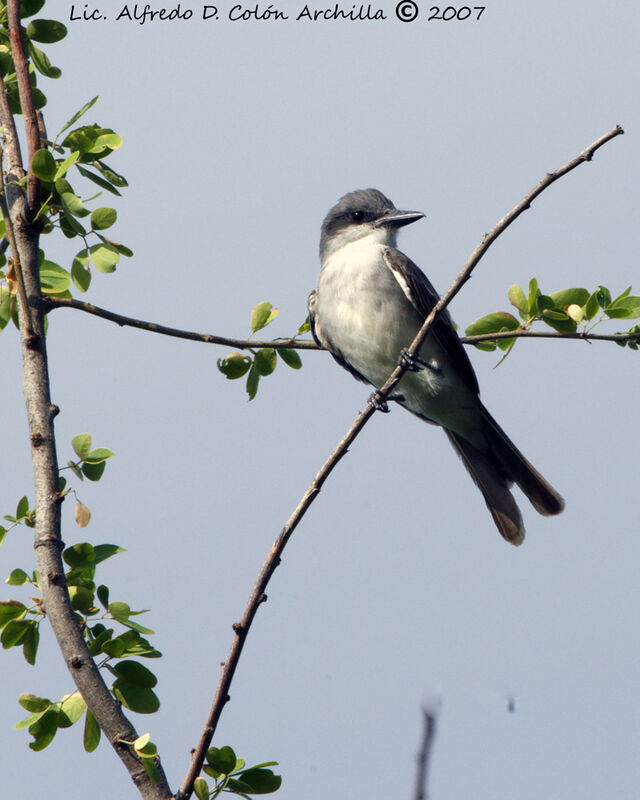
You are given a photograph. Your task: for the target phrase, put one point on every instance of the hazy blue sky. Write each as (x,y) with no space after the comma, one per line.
(396,589)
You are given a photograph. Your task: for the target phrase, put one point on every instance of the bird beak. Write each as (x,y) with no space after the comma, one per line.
(396,219)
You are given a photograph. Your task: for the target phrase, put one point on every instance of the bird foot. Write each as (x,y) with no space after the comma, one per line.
(377,404)
(414,363)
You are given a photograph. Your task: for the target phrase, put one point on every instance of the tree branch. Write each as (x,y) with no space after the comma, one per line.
(48,543)
(154,327)
(292,343)
(428,736)
(27,105)
(258,596)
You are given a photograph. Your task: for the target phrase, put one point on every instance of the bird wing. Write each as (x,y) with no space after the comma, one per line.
(423,297)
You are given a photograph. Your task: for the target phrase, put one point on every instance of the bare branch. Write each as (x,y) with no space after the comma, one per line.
(154,327)
(422,772)
(526,334)
(258,596)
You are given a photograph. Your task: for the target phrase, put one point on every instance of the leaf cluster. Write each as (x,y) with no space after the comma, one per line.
(263,361)
(231,775)
(43,31)
(564,311)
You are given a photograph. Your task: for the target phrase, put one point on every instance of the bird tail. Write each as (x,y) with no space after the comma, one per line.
(495,470)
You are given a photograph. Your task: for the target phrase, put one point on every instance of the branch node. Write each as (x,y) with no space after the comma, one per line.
(32,342)
(237,627)
(76,662)
(53,411)
(56,579)
(37,440)
(263,598)
(45,541)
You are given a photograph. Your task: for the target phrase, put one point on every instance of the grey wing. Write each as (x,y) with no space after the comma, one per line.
(323,341)
(423,297)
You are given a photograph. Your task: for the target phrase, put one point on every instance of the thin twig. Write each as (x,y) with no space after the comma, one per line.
(293,343)
(422,772)
(26,98)
(258,596)
(154,327)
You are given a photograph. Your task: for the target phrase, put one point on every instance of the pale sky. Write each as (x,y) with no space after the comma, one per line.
(396,589)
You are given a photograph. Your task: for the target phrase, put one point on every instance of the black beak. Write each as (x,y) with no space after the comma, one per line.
(397,219)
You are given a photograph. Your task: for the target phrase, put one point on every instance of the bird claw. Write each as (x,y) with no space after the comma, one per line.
(414,363)
(377,404)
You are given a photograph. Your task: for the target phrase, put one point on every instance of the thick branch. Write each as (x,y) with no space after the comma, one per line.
(40,412)
(258,595)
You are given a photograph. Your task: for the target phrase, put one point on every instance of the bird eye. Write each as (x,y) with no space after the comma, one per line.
(357,216)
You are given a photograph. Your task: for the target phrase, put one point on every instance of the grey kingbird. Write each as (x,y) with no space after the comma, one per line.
(370,302)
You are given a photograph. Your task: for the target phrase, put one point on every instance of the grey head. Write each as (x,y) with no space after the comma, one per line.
(365,212)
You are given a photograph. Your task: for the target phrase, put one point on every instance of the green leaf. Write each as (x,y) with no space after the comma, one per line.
(82,599)
(70,226)
(517,298)
(77,115)
(44,165)
(80,273)
(54,278)
(46,31)
(265,361)
(98,455)
(81,445)
(534,293)
(136,674)
(305,327)
(105,257)
(22,509)
(30,643)
(104,184)
(104,551)
(103,218)
(252,382)
(5,306)
(261,781)
(17,577)
(493,323)
(137,698)
(109,140)
(93,471)
(79,555)
(568,297)
(201,789)
(604,296)
(33,703)
(290,357)
(223,759)
(72,707)
(9,610)
(591,307)
(30,7)
(111,175)
(235,365)
(91,733)
(624,307)
(14,633)
(41,62)
(559,321)
(119,611)
(136,626)
(44,729)
(261,315)
(62,168)
(103,595)
(73,205)
(151,768)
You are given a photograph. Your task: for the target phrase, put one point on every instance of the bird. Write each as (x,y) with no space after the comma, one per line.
(370,302)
